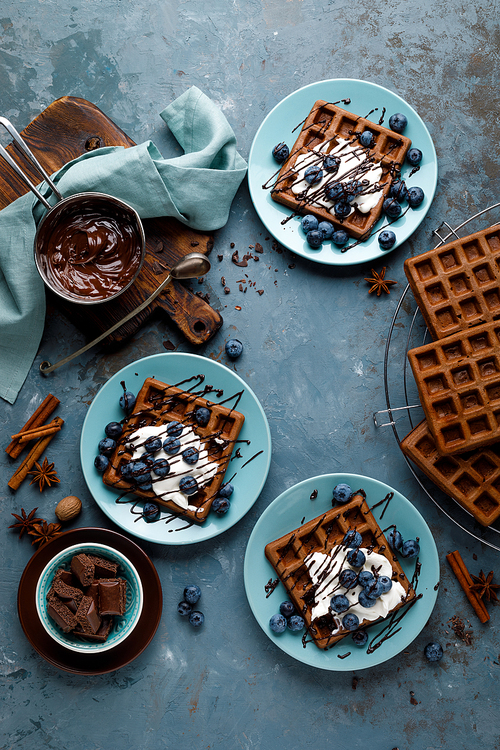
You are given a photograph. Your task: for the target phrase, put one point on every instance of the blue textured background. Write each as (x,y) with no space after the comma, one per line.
(314,351)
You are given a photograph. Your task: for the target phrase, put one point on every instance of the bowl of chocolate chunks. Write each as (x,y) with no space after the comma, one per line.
(89,598)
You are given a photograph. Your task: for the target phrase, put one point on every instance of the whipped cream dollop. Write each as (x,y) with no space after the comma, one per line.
(354,164)
(167,488)
(324,570)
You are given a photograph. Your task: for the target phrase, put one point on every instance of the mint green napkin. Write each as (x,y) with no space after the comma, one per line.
(196,188)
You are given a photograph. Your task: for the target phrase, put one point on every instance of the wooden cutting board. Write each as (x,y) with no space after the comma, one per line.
(68,128)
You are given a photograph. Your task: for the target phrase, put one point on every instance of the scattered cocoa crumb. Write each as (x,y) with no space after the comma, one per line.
(251,247)
(157,269)
(260,292)
(201,280)
(413,700)
(195,244)
(275,282)
(241,281)
(355,681)
(256,257)
(204,296)
(458,627)
(244,290)
(232,244)
(210,245)
(241,287)
(226,290)
(223,280)
(243,262)
(292,265)
(169,346)
(159,247)
(474,556)
(220,257)
(258,248)
(237,307)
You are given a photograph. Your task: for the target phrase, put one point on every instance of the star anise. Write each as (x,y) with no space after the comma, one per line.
(44,532)
(45,474)
(379,282)
(483,586)
(25,522)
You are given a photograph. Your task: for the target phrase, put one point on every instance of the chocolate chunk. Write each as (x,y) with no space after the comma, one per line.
(93,592)
(102,633)
(83,568)
(112,596)
(61,614)
(103,568)
(88,616)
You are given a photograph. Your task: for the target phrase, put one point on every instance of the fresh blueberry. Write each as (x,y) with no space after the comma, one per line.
(365,600)
(386,239)
(146,485)
(391,208)
(360,637)
(277,623)
(150,512)
(340,603)
(221,505)
(140,472)
(326,228)
(386,583)
(126,470)
(410,548)
(340,237)
(394,539)
(374,589)
(353,188)
(234,348)
(184,609)
(414,156)
(101,463)
(398,122)
(433,652)
(174,429)
(350,621)
(107,446)
(342,209)
(153,444)
(342,493)
(352,539)
(309,223)
(365,578)
(113,430)
(188,485)
(287,608)
(313,174)
(226,490)
(281,152)
(295,623)
(192,593)
(196,619)
(356,558)
(202,416)
(415,196)
(144,480)
(398,190)
(366,138)
(127,401)
(314,238)
(335,192)
(147,459)
(190,456)
(331,164)
(161,467)
(171,446)
(348,578)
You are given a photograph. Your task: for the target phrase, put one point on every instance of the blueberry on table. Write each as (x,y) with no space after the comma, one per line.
(350,621)
(386,239)
(414,156)
(196,619)
(281,152)
(309,222)
(277,623)
(356,558)
(174,429)
(113,430)
(202,416)
(190,455)
(314,238)
(295,623)
(188,485)
(352,539)
(342,493)
(391,208)
(101,463)
(433,652)
(221,505)
(326,228)
(340,237)
(234,348)
(226,490)
(106,446)
(313,174)
(171,446)
(398,122)
(184,609)
(161,467)
(152,444)
(287,608)
(150,512)
(410,548)
(366,138)
(192,593)
(339,603)
(360,637)
(415,196)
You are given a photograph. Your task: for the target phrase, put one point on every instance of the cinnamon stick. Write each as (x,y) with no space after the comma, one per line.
(48,405)
(465,581)
(38,449)
(37,432)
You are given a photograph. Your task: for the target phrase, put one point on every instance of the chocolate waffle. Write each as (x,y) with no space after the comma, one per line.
(457,285)
(288,556)
(320,134)
(158,405)
(458,380)
(472,479)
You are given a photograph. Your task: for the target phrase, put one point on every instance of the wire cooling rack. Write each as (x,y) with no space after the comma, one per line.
(403,412)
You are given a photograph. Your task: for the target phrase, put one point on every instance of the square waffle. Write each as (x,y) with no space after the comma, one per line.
(472,479)
(287,555)
(158,404)
(324,125)
(457,285)
(458,380)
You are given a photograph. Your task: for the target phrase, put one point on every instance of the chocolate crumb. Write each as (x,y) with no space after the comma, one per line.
(256,257)
(210,245)
(260,292)
(223,280)
(232,244)
(314,495)
(241,287)
(169,346)
(355,681)
(413,700)
(458,627)
(292,265)
(201,280)
(220,257)
(258,248)
(237,307)
(195,244)
(159,247)
(227,290)
(251,247)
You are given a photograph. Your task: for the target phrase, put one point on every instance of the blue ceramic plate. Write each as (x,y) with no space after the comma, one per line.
(294,507)
(248,480)
(278,126)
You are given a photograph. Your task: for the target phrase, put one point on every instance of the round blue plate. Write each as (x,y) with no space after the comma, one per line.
(248,481)
(294,507)
(278,126)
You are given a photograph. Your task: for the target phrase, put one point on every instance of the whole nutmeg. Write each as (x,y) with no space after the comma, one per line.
(68,508)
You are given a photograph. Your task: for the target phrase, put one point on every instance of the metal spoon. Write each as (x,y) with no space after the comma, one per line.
(190,266)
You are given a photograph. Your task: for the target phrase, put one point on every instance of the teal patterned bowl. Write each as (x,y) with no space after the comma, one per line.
(122,626)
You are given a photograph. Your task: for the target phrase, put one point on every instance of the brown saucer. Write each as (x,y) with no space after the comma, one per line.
(125,652)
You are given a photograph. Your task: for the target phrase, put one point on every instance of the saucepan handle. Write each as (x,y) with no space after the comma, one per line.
(4,153)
